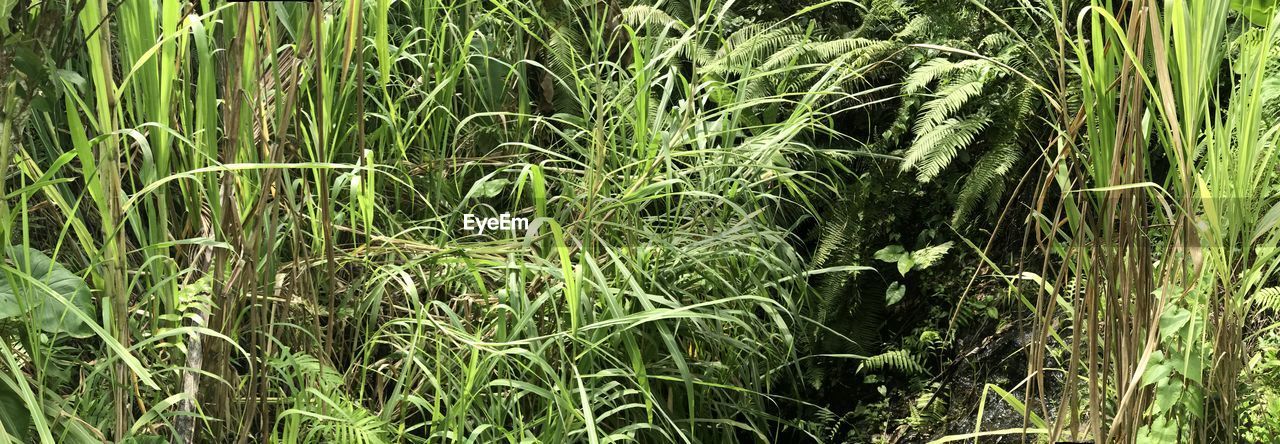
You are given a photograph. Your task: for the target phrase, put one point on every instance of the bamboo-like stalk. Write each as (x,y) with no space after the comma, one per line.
(8,109)
(1152,69)
(114,280)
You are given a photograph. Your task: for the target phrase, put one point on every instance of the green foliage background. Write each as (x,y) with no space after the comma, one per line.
(751,221)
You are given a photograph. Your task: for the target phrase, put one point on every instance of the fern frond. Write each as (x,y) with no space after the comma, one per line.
(834,235)
(651,18)
(746,47)
(919,25)
(1267,298)
(938,68)
(996,41)
(343,421)
(854,51)
(933,151)
(985,182)
(311,369)
(927,256)
(898,360)
(985,179)
(196,298)
(562,52)
(949,100)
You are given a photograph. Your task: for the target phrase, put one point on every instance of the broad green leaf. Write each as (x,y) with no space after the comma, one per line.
(1257,11)
(1166,395)
(890,253)
(19,296)
(904,264)
(69,76)
(1192,367)
(1159,431)
(720,93)
(1156,373)
(5,7)
(1156,369)
(492,187)
(487,186)
(13,414)
(1173,320)
(894,293)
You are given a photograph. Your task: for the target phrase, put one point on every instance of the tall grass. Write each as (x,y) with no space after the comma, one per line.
(1159,228)
(266,201)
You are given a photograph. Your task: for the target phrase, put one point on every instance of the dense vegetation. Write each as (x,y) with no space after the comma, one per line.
(749,221)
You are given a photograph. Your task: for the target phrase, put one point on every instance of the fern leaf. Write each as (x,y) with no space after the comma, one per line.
(898,360)
(948,101)
(933,151)
(927,256)
(984,181)
(1267,298)
(651,18)
(936,69)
